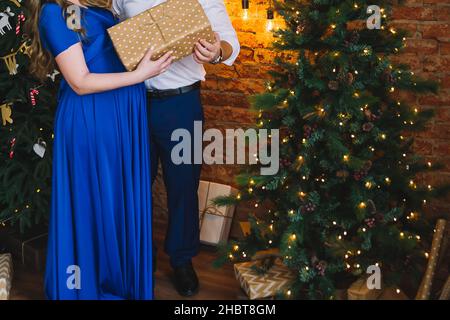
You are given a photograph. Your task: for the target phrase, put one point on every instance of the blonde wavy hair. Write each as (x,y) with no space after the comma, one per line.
(41,61)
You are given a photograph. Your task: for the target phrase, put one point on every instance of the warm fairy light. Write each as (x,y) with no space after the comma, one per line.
(356,94)
(244,254)
(300,158)
(256,205)
(334,223)
(336,54)
(27,206)
(303,140)
(245,14)
(306,268)
(291,211)
(346,157)
(355,5)
(339,237)
(271,227)
(398,291)
(334,69)
(427,255)
(293,237)
(362,205)
(402,234)
(38,190)
(333,26)
(230,256)
(348,266)
(252,181)
(238,196)
(288,292)
(304,177)
(368,184)
(429,187)
(285,140)
(346,256)
(341,124)
(302,194)
(417,237)
(363,229)
(429,164)
(357,265)
(270,241)
(345,233)
(392,89)
(392,30)
(235,247)
(250,190)
(358,252)
(383,136)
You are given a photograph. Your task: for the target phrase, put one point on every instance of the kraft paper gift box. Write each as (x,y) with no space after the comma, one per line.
(6,274)
(360,291)
(172,25)
(259,286)
(215,221)
(30,248)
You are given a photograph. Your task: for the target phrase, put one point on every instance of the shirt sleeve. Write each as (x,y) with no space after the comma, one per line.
(117,6)
(220,22)
(53,30)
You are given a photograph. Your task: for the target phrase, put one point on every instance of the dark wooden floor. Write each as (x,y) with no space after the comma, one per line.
(214,283)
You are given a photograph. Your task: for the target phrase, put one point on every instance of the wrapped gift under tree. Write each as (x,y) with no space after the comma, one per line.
(29,248)
(259,281)
(6,274)
(215,221)
(172,25)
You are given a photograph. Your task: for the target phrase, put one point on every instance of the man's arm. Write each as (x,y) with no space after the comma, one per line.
(117,6)
(227,41)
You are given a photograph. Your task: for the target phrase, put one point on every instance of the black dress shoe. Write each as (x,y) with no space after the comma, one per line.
(185,280)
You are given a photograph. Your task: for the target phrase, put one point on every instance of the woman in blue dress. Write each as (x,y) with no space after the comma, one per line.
(100,242)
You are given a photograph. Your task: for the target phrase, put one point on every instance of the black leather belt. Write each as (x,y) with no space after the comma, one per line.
(158,94)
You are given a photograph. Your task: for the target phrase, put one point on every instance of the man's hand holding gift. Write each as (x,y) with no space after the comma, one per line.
(205,52)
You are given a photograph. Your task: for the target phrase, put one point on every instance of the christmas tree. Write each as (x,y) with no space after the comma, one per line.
(347,195)
(27,110)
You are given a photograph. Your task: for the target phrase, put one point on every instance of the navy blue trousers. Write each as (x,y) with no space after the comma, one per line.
(166,115)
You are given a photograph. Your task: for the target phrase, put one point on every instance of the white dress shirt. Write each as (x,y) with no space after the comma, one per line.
(185,71)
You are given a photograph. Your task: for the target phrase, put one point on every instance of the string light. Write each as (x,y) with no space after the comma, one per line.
(245,7)
(270,16)
(346,157)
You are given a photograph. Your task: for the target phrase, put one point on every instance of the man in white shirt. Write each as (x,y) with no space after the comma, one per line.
(174,103)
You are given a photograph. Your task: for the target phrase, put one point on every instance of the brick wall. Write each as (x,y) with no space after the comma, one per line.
(226,90)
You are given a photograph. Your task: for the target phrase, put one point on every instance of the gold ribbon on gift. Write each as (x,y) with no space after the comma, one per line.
(157,20)
(212,210)
(6,112)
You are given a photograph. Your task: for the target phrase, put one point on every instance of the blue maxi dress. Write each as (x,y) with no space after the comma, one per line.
(100,242)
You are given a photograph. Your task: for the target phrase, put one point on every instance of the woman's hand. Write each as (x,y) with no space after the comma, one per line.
(148,68)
